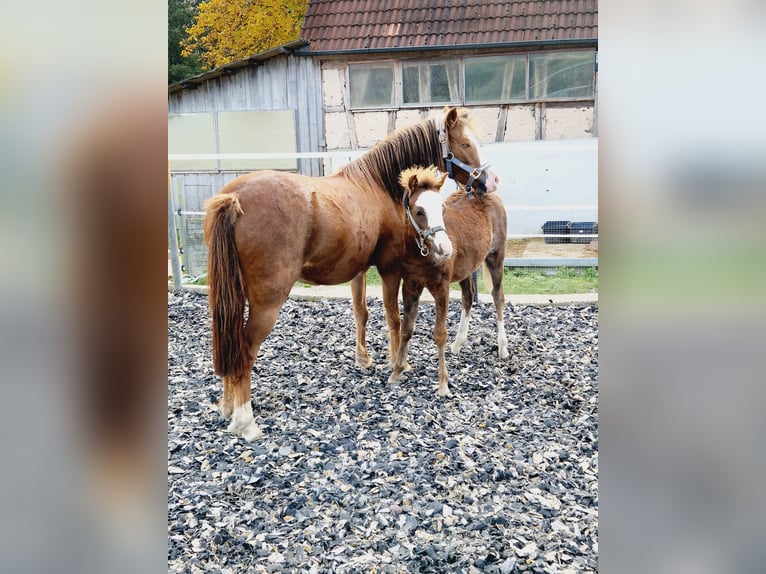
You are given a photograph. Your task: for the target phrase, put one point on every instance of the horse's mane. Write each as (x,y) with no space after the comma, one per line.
(417,144)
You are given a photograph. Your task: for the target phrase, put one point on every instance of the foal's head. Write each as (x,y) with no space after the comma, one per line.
(425,209)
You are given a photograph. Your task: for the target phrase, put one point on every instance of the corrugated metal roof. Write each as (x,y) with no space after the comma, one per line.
(237,64)
(350,25)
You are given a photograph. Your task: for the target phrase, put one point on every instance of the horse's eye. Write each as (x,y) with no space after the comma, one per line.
(465,146)
(420,212)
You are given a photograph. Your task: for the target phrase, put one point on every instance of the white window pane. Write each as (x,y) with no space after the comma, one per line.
(371,85)
(431,83)
(561,75)
(495,79)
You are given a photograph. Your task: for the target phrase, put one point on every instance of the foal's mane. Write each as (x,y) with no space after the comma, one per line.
(417,144)
(428,177)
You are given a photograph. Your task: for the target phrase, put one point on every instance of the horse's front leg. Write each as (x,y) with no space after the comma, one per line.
(391,303)
(411,299)
(495,266)
(466,286)
(441,300)
(359,299)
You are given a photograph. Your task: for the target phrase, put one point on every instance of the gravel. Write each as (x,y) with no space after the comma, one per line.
(357,475)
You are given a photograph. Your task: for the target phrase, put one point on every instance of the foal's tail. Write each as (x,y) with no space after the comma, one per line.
(227,286)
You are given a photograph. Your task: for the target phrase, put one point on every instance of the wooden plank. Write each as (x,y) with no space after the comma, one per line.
(173,238)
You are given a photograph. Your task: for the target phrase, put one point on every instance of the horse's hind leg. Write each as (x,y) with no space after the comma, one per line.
(226,402)
(259,324)
(495,266)
(359,299)
(467,287)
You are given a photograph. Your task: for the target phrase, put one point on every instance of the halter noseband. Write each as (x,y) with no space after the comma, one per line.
(422,234)
(477,174)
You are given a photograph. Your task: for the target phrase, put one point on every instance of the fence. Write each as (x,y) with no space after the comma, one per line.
(540,182)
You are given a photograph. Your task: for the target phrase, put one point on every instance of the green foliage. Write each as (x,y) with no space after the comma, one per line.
(525,281)
(227,30)
(521,281)
(180,16)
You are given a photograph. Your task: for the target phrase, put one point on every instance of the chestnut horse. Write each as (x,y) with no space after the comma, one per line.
(476,227)
(268,229)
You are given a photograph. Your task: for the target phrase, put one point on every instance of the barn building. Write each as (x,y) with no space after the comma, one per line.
(362,68)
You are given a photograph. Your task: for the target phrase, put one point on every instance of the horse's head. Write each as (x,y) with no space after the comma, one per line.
(462,155)
(425,208)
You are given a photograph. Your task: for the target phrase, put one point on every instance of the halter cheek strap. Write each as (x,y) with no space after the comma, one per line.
(475,174)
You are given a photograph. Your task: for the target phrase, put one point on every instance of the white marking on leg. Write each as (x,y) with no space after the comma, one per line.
(243,424)
(462,332)
(502,340)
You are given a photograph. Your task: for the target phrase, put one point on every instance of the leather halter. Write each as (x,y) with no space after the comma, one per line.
(477,174)
(422,234)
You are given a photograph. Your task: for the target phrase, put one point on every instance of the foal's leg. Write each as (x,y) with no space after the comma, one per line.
(391,303)
(359,299)
(259,324)
(411,299)
(495,266)
(466,286)
(441,300)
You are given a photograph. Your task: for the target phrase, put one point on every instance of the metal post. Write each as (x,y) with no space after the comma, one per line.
(173,238)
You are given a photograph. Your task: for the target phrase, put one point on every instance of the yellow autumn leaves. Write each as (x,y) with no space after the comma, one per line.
(228,30)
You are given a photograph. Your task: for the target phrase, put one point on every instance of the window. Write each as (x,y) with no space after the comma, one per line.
(431,83)
(556,75)
(371,85)
(518,77)
(495,79)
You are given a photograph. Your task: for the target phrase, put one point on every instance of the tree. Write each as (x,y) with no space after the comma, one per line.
(228,30)
(180,16)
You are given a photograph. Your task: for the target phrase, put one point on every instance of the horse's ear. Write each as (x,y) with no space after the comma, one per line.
(406,197)
(441,180)
(412,183)
(450,119)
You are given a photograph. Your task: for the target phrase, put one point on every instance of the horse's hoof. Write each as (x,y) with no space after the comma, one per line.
(407,367)
(242,424)
(504,354)
(224,410)
(250,432)
(443,393)
(364,364)
(394,379)
(455,348)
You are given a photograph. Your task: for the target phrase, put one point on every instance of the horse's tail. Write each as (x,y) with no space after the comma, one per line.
(227,286)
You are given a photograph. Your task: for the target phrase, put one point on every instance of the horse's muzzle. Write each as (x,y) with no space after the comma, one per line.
(490,183)
(442,245)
